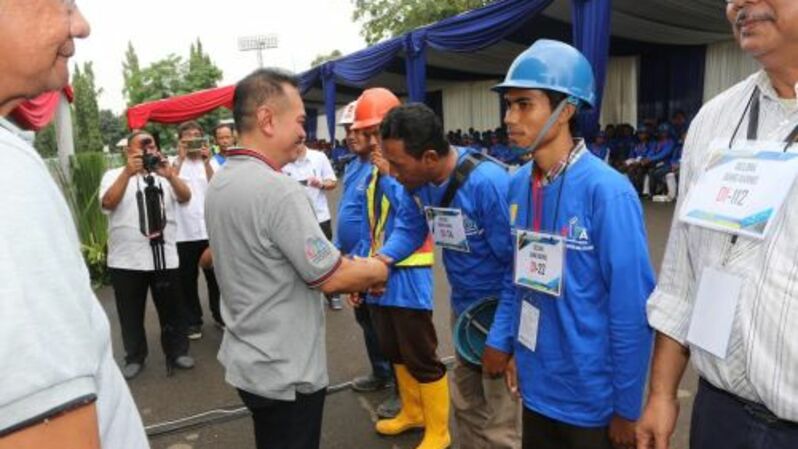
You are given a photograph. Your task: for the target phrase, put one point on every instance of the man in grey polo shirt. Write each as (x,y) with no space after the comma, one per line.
(273,262)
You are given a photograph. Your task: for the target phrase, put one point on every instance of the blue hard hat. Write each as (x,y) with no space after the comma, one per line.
(471,329)
(552,65)
(664,128)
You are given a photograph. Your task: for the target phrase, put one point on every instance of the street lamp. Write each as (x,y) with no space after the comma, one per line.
(259,43)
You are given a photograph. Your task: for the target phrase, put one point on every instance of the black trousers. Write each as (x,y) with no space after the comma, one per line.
(542,432)
(723,421)
(130,292)
(407,337)
(189,253)
(286,424)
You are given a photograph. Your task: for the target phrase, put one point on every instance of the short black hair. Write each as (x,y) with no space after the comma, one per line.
(139,132)
(222,125)
(188,126)
(258,88)
(554,100)
(418,127)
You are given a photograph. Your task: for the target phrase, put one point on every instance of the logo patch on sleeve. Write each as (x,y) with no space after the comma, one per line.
(317,250)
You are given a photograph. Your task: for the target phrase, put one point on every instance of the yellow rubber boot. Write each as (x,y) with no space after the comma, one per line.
(411,416)
(435,402)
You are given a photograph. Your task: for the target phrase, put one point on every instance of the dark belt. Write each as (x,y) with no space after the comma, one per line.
(755,409)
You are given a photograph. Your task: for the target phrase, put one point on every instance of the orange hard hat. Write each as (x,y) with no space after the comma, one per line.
(372,106)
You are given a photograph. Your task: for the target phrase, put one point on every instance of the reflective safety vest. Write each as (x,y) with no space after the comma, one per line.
(423,257)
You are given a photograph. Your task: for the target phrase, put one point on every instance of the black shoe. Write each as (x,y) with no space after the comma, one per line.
(370,383)
(132,370)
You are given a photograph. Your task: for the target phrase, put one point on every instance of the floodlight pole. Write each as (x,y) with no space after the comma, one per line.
(258,43)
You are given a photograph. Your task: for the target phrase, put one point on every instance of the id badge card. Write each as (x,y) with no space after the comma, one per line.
(714,310)
(539,261)
(447,228)
(742,189)
(528,328)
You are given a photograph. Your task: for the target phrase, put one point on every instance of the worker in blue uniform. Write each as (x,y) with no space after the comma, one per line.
(633,166)
(460,197)
(572,313)
(657,158)
(600,147)
(402,312)
(347,237)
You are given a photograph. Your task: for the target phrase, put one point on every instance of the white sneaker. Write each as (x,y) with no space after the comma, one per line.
(661,199)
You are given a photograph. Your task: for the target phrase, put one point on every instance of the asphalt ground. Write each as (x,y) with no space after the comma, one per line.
(196,409)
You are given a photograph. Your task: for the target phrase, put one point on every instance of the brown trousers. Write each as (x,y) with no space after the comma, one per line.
(407,337)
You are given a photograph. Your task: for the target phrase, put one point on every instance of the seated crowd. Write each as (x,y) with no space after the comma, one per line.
(648,155)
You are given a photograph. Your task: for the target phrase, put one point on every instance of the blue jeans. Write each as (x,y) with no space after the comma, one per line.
(723,421)
(380,365)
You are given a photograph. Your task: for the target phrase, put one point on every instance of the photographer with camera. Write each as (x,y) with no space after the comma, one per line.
(141,200)
(194,168)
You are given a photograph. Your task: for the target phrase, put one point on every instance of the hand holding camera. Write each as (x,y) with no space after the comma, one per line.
(135,162)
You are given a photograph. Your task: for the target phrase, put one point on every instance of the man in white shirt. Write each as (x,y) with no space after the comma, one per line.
(141,199)
(194,168)
(727,300)
(313,170)
(59,384)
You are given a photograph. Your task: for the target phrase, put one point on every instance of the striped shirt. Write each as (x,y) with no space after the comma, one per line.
(762,360)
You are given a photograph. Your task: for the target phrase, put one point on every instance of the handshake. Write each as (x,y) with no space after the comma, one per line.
(359,274)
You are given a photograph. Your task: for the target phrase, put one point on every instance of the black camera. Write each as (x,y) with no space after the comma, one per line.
(151,161)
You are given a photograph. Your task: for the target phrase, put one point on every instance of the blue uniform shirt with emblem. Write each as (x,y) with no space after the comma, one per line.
(482,199)
(407,287)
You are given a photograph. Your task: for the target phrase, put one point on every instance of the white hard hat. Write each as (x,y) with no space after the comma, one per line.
(348,114)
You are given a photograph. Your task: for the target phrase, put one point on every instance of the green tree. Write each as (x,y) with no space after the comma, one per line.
(169,77)
(113,128)
(86,113)
(201,73)
(320,59)
(131,72)
(46,143)
(390,18)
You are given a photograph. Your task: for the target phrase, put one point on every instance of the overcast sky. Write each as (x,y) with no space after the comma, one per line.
(157,28)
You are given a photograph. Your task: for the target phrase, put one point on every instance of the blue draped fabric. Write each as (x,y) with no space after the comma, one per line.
(467,32)
(671,79)
(311,122)
(328,84)
(472,31)
(480,28)
(359,67)
(591,25)
(308,79)
(416,66)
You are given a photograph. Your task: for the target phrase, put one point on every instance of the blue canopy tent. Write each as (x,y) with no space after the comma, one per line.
(480,44)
